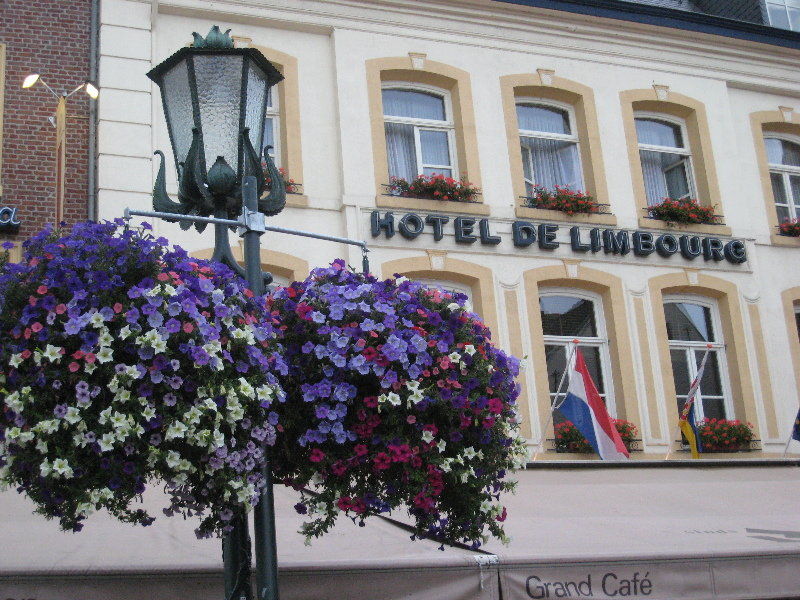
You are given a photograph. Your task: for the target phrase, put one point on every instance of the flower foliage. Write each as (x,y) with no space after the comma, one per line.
(395,397)
(290,185)
(569,439)
(434,187)
(723,435)
(682,211)
(562,199)
(126,363)
(790,228)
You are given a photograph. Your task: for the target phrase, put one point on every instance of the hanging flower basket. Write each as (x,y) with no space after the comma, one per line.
(686,211)
(562,199)
(790,228)
(434,187)
(396,398)
(127,364)
(723,435)
(569,439)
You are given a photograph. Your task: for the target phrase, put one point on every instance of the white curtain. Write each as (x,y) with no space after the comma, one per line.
(665,176)
(542,118)
(551,163)
(400,150)
(414,105)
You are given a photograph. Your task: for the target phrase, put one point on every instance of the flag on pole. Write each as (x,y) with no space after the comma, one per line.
(584,407)
(686,422)
(796,428)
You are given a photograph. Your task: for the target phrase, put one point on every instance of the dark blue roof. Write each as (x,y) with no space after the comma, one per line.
(690,18)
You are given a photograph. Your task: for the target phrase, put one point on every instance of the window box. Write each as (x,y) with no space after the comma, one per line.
(569,440)
(724,435)
(685,211)
(563,199)
(433,187)
(790,228)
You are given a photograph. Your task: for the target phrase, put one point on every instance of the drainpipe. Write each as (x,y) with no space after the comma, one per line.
(94,33)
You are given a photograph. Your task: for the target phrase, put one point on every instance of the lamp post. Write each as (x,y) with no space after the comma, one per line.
(59,120)
(215,100)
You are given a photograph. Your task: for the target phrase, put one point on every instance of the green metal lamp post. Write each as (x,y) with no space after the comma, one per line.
(215,100)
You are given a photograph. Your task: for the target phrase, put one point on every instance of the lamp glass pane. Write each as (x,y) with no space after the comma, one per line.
(255,105)
(178,101)
(219,89)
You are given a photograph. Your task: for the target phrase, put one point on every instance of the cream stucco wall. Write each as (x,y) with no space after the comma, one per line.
(332,42)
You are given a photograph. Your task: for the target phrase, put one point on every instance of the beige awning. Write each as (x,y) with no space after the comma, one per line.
(661,533)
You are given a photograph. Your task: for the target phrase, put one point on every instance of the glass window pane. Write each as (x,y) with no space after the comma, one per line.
(591,356)
(794,19)
(783,214)
(688,322)
(778,189)
(659,133)
(534,117)
(713,408)
(270,96)
(269,136)
(677,178)
(710,384)
(401,150)
(797,322)
(435,147)
(436,171)
(567,316)
(665,175)
(414,105)
(680,371)
(781,152)
(778,16)
(553,162)
(794,183)
(556,357)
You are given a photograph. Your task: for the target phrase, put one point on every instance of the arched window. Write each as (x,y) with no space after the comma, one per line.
(272,125)
(549,142)
(783,157)
(665,156)
(693,326)
(569,315)
(419,131)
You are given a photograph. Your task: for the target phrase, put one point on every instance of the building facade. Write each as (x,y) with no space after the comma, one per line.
(510,95)
(54,39)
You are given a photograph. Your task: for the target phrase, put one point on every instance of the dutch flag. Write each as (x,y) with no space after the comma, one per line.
(584,407)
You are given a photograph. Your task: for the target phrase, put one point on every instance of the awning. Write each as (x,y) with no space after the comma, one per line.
(660,533)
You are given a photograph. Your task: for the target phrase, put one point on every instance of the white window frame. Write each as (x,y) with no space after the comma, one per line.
(685,152)
(599,341)
(274,113)
(785,6)
(546,135)
(694,353)
(449,286)
(448,125)
(784,171)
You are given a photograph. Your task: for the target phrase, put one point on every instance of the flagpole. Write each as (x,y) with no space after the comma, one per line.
(690,395)
(558,392)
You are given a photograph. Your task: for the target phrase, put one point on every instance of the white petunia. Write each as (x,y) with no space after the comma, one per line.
(52,353)
(97,320)
(61,466)
(73,415)
(454,357)
(469,349)
(176,430)
(427,437)
(106,442)
(16,360)
(441,445)
(105,355)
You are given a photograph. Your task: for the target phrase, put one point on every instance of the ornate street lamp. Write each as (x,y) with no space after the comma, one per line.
(215,100)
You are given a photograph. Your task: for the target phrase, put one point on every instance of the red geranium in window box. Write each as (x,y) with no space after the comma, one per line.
(434,187)
(723,435)
(562,199)
(682,211)
(790,228)
(569,439)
